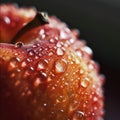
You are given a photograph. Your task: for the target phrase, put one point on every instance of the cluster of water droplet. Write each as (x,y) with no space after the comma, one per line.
(57,72)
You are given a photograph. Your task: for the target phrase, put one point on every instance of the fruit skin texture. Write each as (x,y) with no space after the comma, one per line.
(51,76)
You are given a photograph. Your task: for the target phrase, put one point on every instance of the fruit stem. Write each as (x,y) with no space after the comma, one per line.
(41,18)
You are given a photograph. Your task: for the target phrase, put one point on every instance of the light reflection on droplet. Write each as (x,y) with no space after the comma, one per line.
(13,63)
(85,82)
(78,115)
(42,64)
(60,66)
(7,20)
(37,82)
(60,51)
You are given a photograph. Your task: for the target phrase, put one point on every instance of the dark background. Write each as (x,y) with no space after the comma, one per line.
(99,24)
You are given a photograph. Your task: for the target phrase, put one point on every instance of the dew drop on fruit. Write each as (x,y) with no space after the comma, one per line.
(73,106)
(13,63)
(84,82)
(42,33)
(78,52)
(50,53)
(26,74)
(18,70)
(60,51)
(19,44)
(23,64)
(72,40)
(29,60)
(42,75)
(42,64)
(31,68)
(81,71)
(60,66)
(52,40)
(45,104)
(29,92)
(58,44)
(62,34)
(31,53)
(62,110)
(17,82)
(12,75)
(87,50)
(37,82)
(7,20)
(78,115)
(49,79)
(95,99)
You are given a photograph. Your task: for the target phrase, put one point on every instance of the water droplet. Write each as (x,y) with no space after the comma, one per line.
(26,74)
(62,34)
(13,63)
(42,64)
(95,108)
(31,68)
(17,82)
(59,44)
(7,20)
(62,111)
(29,60)
(52,40)
(18,70)
(87,50)
(74,73)
(43,76)
(95,99)
(31,53)
(77,61)
(19,44)
(79,53)
(36,57)
(37,82)
(65,45)
(12,75)
(23,94)
(16,54)
(40,55)
(49,79)
(73,106)
(93,114)
(23,64)
(75,32)
(45,104)
(60,51)
(34,46)
(72,40)
(84,105)
(81,71)
(43,36)
(41,31)
(50,53)
(78,115)
(84,82)
(29,92)
(60,66)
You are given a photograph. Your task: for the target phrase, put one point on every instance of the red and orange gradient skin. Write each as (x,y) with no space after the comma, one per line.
(51,76)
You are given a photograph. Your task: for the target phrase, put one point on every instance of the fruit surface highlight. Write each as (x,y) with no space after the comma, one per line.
(48,73)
